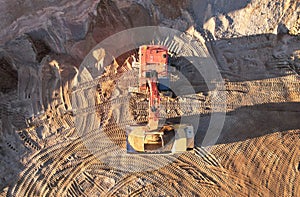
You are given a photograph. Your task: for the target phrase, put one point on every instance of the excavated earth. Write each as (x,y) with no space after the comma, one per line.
(62,129)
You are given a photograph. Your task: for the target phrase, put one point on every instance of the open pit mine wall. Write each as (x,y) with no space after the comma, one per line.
(42,43)
(40,85)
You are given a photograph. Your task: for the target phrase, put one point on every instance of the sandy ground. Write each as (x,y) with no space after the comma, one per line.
(51,107)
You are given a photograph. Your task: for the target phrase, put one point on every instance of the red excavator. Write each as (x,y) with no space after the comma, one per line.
(153,80)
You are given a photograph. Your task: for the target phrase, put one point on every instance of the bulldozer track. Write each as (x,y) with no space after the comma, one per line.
(116,130)
(186,108)
(93,83)
(85,162)
(172,109)
(131,80)
(64,174)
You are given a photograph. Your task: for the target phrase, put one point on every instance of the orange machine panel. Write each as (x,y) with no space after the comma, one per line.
(153,54)
(152,58)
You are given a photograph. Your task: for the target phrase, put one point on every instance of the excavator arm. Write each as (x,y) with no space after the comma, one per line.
(154,104)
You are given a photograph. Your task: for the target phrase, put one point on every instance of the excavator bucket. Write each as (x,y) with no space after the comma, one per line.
(168,139)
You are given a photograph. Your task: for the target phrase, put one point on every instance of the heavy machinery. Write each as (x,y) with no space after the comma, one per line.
(153,81)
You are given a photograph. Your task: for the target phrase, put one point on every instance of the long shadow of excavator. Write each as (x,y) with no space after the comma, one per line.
(254,121)
(256,57)
(247,58)
(265,57)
